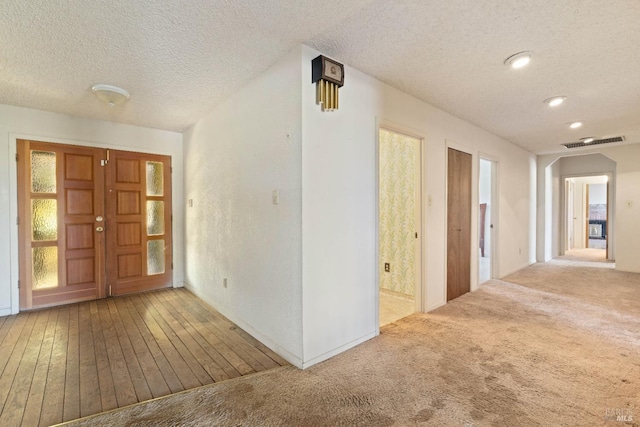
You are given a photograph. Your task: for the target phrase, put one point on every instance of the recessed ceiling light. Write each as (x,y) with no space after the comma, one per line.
(574,125)
(587,140)
(554,101)
(518,60)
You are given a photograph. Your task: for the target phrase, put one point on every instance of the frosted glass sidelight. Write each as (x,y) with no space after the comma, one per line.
(155,218)
(43,172)
(45,267)
(44,219)
(155,257)
(155,183)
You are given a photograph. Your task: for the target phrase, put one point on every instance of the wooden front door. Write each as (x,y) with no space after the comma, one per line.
(139,216)
(61,195)
(70,202)
(458,223)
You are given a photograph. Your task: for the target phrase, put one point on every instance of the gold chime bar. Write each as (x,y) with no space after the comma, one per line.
(320,92)
(327,95)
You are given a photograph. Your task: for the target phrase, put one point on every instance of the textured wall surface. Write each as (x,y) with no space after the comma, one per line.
(397,197)
(234,159)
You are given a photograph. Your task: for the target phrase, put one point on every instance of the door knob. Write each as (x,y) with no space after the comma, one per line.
(99,229)
(99,218)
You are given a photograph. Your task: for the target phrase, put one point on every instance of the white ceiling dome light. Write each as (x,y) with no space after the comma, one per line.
(112,95)
(518,60)
(574,125)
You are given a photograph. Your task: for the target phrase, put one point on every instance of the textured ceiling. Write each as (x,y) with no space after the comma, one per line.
(179,59)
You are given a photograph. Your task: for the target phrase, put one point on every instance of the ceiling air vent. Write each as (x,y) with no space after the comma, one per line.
(594,142)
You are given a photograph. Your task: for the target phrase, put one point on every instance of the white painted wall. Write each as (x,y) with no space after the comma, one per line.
(339,202)
(598,194)
(18,122)
(234,158)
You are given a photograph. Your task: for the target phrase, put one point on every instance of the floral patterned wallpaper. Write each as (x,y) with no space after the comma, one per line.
(398,156)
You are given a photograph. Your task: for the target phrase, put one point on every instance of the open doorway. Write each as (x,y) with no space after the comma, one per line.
(399,225)
(587,222)
(486,219)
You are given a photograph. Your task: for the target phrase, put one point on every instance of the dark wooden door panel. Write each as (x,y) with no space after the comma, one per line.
(458,223)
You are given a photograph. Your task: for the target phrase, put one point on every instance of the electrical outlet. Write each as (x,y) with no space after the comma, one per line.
(224,282)
(387,267)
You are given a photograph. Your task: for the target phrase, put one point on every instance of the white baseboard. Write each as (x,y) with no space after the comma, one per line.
(308,363)
(434,306)
(5,311)
(517,269)
(285,354)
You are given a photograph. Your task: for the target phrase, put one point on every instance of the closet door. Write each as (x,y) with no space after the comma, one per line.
(458,223)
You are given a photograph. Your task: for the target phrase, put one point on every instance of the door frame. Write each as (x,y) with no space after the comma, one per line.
(475,166)
(13,202)
(569,196)
(611,212)
(495,217)
(420,284)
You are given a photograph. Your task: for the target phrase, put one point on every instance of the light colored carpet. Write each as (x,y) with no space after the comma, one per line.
(548,346)
(589,257)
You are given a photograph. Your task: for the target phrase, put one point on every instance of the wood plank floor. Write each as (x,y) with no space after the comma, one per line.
(68,362)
